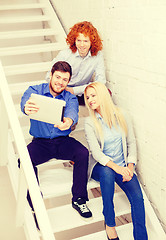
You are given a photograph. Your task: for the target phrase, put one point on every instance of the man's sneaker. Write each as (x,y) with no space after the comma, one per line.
(82,209)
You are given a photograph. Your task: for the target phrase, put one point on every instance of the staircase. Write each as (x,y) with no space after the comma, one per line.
(30,37)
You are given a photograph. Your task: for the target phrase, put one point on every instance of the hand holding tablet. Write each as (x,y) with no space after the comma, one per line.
(45,109)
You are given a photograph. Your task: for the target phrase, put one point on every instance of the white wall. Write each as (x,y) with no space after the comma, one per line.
(134,35)
(136,60)
(71,12)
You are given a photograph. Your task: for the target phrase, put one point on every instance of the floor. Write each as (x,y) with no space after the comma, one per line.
(8,230)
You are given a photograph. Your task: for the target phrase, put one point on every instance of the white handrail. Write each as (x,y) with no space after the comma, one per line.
(50,11)
(26,164)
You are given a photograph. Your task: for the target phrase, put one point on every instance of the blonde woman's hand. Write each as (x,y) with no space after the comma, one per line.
(30,107)
(131,168)
(124,171)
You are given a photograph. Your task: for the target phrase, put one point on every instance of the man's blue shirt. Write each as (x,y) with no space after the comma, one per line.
(40,129)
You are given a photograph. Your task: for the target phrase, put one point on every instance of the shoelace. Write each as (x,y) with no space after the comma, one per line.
(83,208)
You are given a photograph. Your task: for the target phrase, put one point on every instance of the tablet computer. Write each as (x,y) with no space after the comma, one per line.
(51,110)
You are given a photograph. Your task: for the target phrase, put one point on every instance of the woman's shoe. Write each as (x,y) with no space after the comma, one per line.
(113,238)
(107,235)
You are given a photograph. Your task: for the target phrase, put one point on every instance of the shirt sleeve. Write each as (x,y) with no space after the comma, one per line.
(93,143)
(72,108)
(99,74)
(79,90)
(26,96)
(130,141)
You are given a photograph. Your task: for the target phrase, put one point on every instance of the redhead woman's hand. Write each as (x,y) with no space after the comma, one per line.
(30,107)
(69,89)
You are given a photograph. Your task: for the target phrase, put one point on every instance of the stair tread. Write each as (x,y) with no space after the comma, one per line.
(65,217)
(27,33)
(59,179)
(21,6)
(19,88)
(27,68)
(23,19)
(25,129)
(45,47)
(124,232)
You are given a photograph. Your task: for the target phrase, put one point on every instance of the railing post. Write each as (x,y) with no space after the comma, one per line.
(21,199)
(27,175)
(3,134)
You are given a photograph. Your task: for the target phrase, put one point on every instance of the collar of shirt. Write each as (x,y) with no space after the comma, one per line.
(98,115)
(87,56)
(46,92)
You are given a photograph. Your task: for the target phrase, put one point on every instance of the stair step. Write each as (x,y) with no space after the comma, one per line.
(58,178)
(20,88)
(124,232)
(24,19)
(37,48)
(21,6)
(76,133)
(65,217)
(27,33)
(25,129)
(79,126)
(27,68)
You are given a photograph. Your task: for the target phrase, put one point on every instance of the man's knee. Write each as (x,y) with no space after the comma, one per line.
(82,154)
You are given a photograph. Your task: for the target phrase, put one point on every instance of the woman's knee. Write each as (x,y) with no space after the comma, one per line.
(107,175)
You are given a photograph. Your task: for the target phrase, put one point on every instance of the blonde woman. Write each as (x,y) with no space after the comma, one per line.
(113,157)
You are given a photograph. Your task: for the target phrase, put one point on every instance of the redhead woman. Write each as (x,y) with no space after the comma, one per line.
(113,157)
(84,56)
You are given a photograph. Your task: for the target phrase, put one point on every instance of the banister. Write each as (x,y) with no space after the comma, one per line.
(26,164)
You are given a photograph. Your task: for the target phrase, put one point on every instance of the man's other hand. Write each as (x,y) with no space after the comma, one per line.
(67,122)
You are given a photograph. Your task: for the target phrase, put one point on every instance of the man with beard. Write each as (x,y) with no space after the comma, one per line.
(53,141)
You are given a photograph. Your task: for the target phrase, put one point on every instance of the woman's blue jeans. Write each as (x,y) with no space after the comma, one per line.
(107,178)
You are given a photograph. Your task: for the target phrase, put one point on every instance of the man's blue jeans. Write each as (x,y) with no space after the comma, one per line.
(107,178)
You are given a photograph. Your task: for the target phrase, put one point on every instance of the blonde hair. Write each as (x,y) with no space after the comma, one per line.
(110,113)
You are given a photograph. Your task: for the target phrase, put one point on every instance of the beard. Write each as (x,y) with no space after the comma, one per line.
(53,91)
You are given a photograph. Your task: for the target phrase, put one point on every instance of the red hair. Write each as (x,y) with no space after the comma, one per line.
(89,30)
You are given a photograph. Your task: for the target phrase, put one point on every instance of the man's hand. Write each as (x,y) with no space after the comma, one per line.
(67,122)
(69,89)
(30,107)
